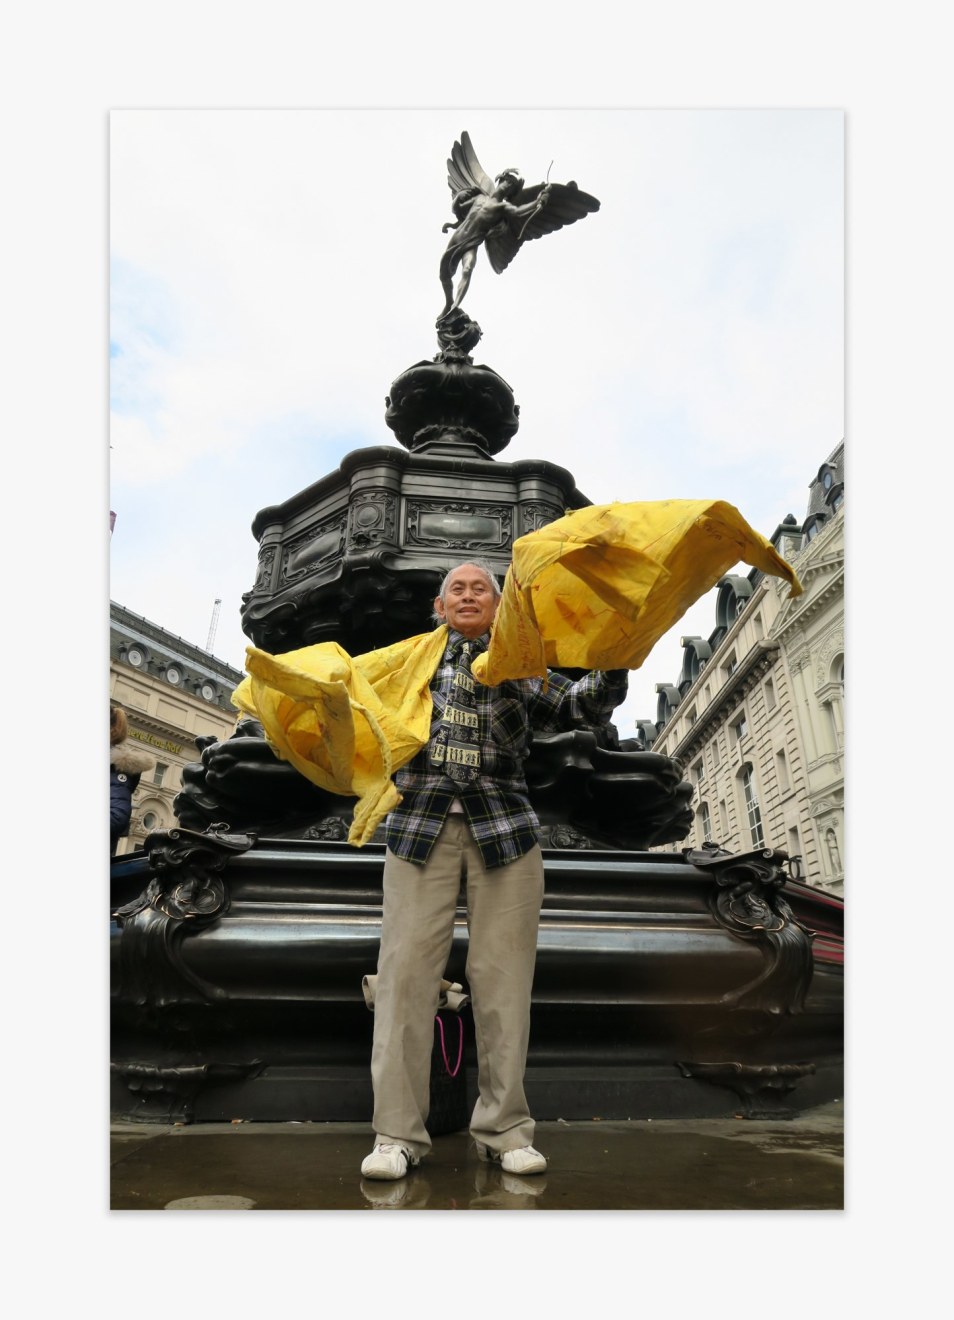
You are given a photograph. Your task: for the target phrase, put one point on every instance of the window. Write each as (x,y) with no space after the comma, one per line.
(160,773)
(794,843)
(730,666)
(150,820)
(781,769)
(740,728)
(812,526)
(706,822)
(691,718)
(135,657)
(752,808)
(771,701)
(723,818)
(699,771)
(716,757)
(173,676)
(759,629)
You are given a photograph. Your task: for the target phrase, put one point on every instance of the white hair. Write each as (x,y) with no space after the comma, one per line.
(482,566)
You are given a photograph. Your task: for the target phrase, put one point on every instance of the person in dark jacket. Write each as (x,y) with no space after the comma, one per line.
(127,764)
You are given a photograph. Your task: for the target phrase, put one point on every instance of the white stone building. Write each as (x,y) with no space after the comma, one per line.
(756,718)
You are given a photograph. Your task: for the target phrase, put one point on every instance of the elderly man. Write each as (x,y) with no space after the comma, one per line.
(465,814)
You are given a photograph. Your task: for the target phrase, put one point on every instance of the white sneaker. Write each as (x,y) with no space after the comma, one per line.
(525,1160)
(388,1161)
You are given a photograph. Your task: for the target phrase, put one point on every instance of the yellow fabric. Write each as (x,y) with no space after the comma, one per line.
(594,590)
(346,723)
(597,588)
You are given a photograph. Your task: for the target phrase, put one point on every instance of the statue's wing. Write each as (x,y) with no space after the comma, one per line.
(565,204)
(464,170)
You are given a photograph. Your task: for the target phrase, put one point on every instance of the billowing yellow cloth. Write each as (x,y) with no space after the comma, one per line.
(593,590)
(346,723)
(597,588)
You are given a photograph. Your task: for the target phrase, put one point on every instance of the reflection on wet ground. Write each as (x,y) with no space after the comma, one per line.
(705,1164)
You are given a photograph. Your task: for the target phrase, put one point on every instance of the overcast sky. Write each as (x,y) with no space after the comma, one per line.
(273,271)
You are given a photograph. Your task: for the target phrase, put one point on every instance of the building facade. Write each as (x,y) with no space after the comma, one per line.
(756,718)
(172,692)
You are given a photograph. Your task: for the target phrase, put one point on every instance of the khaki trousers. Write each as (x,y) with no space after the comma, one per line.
(503,916)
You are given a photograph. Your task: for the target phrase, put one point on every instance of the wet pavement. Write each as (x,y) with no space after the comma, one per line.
(703,1164)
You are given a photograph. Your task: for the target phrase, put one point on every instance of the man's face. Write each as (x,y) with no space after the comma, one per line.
(469,603)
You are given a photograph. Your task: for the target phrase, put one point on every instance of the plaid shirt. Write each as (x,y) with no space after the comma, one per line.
(496,805)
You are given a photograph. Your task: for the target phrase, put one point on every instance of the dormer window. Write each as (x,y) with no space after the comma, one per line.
(812,526)
(826,476)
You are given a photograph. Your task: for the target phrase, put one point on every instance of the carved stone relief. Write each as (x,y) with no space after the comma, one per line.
(463,526)
(310,549)
(834,644)
(266,561)
(372,519)
(537,514)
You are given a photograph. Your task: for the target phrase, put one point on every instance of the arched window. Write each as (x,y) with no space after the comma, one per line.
(667,702)
(734,594)
(812,526)
(752,811)
(706,822)
(697,653)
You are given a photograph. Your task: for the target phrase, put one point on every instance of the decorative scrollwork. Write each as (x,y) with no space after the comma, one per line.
(747,902)
(537,514)
(266,561)
(187,892)
(333,829)
(761,1088)
(565,836)
(463,525)
(372,519)
(167,1093)
(311,549)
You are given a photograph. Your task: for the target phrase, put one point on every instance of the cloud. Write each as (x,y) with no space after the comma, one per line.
(274,271)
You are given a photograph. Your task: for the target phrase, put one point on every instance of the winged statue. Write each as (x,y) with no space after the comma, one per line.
(501,214)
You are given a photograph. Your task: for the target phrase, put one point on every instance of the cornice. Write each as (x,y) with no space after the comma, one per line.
(804,609)
(827,805)
(750,669)
(165,731)
(208,664)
